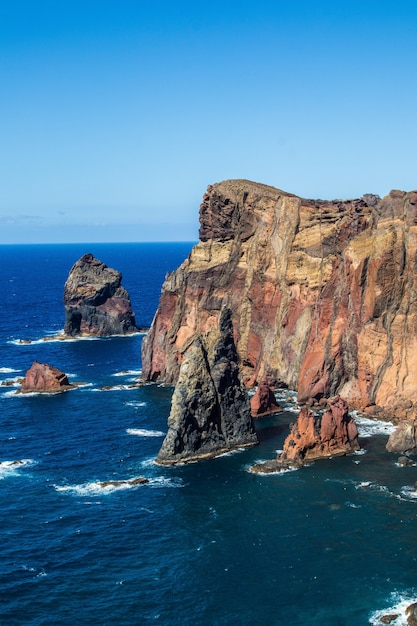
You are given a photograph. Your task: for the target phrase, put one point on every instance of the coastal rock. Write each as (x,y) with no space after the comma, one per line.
(314,437)
(95,301)
(322,293)
(404,438)
(210,411)
(264,401)
(311,437)
(44,378)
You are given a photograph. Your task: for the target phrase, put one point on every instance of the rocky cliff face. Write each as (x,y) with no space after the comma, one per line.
(210,411)
(95,301)
(323,293)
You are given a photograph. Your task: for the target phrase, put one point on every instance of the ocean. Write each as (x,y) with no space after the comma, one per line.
(206,544)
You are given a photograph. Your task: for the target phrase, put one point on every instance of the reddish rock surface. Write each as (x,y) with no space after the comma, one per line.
(264,401)
(311,437)
(45,378)
(321,293)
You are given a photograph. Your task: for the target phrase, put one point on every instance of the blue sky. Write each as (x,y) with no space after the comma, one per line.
(117,114)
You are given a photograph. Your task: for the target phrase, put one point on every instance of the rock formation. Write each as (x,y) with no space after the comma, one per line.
(95,302)
(44,378)
(404,439)
(264,401)
(210,411)
(322,293)
(314,437)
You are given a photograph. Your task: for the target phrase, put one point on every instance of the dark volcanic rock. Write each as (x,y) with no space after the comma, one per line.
(210,411)
(264,401)
(44,378)
(95,302)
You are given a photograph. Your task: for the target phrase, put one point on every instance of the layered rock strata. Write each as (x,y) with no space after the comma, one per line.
(44,378)
(95,301)
(210,411)
(323,293)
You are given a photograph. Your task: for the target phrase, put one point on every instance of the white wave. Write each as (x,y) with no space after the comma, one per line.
(409,493)
(59,338)
(11,468)
(116,388)
(11,382)
(8,370)
(98,488)
(143,432)
(128,373)
(369,427)
(149,462)
(136,403)
(398,605)
(163,481)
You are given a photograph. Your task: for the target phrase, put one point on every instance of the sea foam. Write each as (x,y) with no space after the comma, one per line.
(398,605)
(143,432)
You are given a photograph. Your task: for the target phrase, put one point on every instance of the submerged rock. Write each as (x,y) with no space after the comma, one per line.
(95,301)
(210,411)
(44,378)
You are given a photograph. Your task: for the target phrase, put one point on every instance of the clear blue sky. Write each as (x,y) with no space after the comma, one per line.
(117,114)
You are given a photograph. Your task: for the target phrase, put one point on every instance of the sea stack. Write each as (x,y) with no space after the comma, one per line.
(95,301)
(263,402)
(314,437)
(210,410)
(44,378)
(322,294)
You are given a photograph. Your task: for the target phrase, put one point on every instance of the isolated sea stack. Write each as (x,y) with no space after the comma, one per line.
(263,402)
(95,301)
(322,294)
(44,378)
(210,411)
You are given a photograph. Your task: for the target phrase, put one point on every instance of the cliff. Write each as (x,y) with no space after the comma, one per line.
(95,301)
(323,294)
(210,410)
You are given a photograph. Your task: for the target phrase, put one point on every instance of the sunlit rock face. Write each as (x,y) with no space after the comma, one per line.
(95,301)
(323,294)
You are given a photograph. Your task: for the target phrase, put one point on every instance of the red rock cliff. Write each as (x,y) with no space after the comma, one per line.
(323,293)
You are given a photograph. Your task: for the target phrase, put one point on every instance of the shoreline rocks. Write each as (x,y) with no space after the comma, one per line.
(95,302)
(44,378)
(210,411)
(313,437)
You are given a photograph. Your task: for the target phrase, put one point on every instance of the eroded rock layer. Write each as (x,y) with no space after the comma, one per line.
(323,293)
(95,301)
(210,411)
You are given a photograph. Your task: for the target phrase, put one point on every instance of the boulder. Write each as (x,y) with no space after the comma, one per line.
(210,410)
(264,401)
(404,438)
(44,378)
(95,301)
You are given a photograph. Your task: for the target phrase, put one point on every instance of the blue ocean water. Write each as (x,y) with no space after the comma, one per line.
(207,543)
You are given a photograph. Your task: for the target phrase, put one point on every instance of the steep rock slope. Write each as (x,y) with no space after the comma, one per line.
(322,293)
